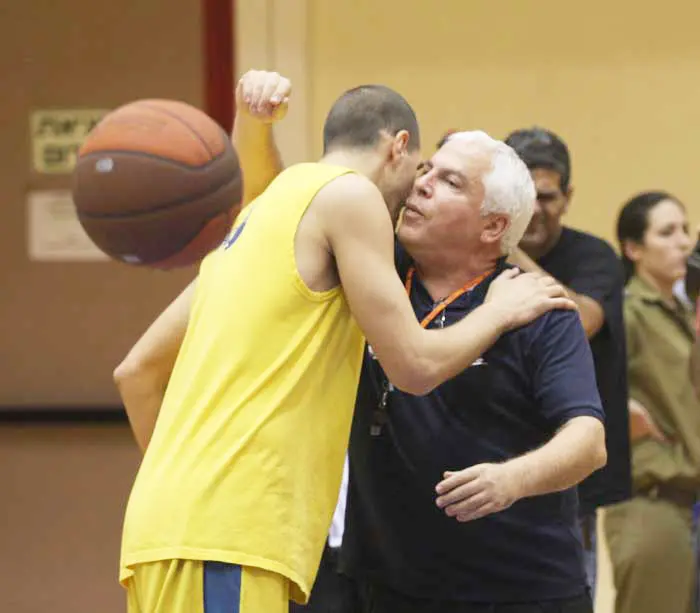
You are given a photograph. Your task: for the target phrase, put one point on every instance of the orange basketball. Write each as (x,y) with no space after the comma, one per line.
(157,183)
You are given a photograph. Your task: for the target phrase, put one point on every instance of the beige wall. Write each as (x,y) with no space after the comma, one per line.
(618,80)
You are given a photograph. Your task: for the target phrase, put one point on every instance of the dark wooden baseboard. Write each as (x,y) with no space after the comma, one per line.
(46,416)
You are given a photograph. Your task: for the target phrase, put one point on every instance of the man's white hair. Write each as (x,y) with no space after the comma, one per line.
(508,186)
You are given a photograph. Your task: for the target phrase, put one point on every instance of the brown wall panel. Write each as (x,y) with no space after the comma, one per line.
(62,497)
(64,326)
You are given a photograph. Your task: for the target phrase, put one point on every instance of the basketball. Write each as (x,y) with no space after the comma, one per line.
(157,183)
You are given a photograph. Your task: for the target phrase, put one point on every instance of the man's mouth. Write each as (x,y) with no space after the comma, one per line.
(412,209)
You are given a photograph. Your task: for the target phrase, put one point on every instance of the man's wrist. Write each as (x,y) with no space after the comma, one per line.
(501,317)
(518,476)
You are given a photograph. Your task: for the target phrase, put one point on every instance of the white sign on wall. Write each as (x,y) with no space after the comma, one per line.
(54,233)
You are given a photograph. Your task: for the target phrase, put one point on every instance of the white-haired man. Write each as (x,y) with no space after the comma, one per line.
(504,442)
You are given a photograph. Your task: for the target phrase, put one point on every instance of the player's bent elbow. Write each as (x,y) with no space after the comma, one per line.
(121,374)
(128,373)
(414,386)
(125,371)
(416,378)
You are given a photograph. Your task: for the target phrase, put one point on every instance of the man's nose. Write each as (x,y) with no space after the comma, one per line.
(424,186)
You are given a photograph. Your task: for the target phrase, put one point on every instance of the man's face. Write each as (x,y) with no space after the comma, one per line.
(664,250)
(443,211)
(551,204)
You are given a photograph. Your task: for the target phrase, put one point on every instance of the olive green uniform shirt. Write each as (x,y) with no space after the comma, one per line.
(659,343)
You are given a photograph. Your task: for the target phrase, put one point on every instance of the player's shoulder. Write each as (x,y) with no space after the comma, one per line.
(350,197)
(348,187)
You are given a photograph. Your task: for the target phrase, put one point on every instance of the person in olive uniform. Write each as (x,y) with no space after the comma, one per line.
(650,536)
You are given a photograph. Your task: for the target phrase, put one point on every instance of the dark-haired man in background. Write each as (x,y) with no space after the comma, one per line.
(591,271)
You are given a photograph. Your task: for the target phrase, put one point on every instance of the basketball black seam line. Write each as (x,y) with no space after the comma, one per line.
(159,208)
(154,156)
(182,121)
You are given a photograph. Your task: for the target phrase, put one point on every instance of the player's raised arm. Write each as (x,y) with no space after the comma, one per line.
(262,99)
(360,233)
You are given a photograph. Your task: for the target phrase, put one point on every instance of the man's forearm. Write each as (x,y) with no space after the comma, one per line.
(591,313)
(574,452)
(258,154)
(434,362)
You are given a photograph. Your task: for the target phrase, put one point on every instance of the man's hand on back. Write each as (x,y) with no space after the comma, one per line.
(523,297)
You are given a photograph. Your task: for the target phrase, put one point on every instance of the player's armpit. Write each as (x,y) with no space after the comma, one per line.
(144,373)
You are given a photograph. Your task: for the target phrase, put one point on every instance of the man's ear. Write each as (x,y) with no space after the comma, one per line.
(495,226)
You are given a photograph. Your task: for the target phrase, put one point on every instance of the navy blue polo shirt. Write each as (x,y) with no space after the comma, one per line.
(513,400)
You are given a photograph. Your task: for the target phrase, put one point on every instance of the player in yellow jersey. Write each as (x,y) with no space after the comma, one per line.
(241,392)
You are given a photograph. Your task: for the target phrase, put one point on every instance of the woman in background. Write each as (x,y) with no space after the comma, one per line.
(650,536)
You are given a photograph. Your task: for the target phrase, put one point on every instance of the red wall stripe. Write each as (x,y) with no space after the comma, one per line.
(219,62)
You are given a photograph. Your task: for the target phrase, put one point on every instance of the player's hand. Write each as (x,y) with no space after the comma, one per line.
(477,491)
(523,297)
(642,425)
(263,95)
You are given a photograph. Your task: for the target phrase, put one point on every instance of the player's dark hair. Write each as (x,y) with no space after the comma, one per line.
(361,114)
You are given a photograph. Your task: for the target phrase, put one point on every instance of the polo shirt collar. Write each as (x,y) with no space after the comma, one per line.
(478,294)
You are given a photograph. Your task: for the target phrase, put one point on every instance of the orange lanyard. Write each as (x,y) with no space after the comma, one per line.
(443,304)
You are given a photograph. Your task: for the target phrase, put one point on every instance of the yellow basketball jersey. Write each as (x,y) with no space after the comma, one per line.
(247,455)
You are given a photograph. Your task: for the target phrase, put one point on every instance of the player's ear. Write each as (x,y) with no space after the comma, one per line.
(399,146)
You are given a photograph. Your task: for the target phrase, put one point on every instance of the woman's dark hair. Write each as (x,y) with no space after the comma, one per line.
(633,220)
